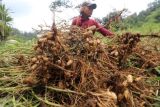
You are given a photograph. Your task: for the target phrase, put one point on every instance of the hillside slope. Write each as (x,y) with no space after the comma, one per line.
(148,24)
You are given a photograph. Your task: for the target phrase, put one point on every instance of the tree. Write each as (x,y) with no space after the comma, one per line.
(5,25)
(57,4)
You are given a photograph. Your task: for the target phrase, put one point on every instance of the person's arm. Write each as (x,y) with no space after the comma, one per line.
(103,30)
(74,21)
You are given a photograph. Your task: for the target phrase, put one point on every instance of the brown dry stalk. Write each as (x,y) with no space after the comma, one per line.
(65,91)
(46,101)
(144,96)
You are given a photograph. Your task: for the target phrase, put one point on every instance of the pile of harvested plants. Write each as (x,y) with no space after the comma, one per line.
(76,69)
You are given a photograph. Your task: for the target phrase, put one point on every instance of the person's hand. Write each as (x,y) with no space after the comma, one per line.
(110,36)
(92,28)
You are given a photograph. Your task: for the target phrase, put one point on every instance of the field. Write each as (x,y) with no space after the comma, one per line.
(77,69)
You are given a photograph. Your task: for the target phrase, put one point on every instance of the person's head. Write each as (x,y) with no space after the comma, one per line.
(87,9)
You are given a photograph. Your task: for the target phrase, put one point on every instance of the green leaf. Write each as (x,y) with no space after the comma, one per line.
(157,69)
(157,78)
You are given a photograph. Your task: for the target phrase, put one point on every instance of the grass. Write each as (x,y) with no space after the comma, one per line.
(11,74)
(151,24)
(21,47)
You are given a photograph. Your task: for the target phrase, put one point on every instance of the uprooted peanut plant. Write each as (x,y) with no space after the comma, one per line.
(76,69)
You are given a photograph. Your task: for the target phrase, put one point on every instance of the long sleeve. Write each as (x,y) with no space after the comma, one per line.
(103,30)
(74,21)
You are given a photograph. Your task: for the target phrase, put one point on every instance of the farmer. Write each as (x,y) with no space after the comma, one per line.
(84,20)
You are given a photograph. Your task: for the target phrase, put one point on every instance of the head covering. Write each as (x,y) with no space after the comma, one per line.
(89,4)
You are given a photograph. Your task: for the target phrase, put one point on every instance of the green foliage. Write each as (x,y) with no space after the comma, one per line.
(8,51)
(4,14)
(5,20)
(145,22)
(22,36)
(158,70)
(60,3)
(108,17)
(157,78)
(113,20)
(118,23)
(4,30)
(19,47)
(157,103)
(131,20)
(154,17)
